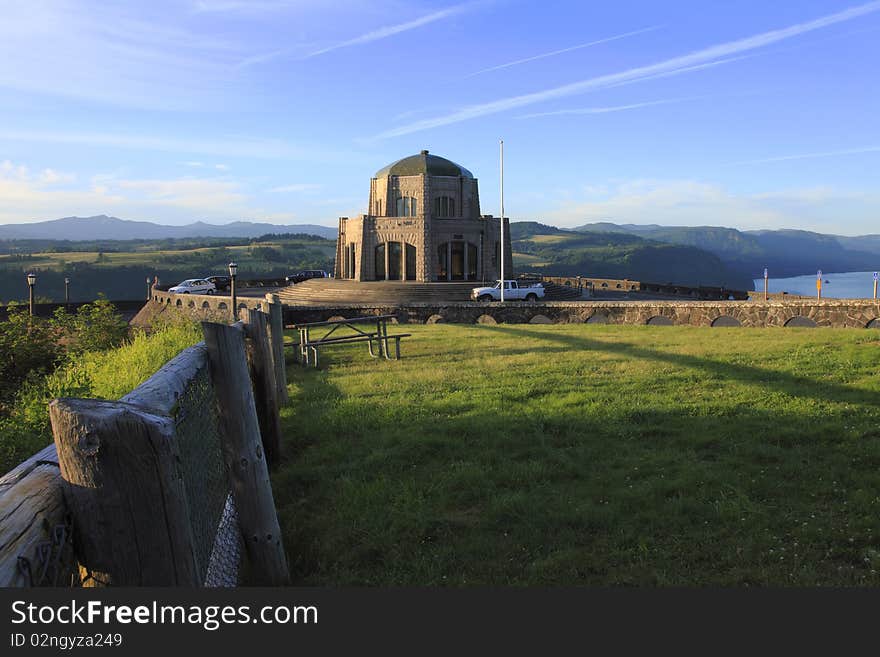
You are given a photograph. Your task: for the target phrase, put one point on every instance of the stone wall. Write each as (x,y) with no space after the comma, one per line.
(836,313)
(167,306)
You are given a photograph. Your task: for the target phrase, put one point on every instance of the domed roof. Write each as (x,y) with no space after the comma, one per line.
(430,165)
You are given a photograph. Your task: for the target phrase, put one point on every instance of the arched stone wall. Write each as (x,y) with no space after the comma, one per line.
(855,313)
(725,321)
(801,321)
(659,320)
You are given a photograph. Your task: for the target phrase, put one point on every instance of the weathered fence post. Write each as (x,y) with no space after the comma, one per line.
(32,516)
(124,490)
(262,374)
(275,311)
(243,453)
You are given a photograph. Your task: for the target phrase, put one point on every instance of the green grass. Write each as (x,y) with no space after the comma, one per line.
(115,373)
(108,374)
(587,455)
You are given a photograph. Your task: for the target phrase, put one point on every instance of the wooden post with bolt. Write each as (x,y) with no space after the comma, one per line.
(275,312)
(244,455)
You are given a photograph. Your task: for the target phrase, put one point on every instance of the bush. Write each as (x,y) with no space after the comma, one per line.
(106,374)
(27,345)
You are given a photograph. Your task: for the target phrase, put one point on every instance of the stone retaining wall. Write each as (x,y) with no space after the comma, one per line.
(837,313)
(211,307)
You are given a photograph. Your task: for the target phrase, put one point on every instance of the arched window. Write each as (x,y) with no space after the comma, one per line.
(444,206)
(457,261)
(407,206)
(379,260)
(410,262)
(395,255)
(442,261)
(349,261)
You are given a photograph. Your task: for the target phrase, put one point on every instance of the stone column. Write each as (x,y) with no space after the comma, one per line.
(465,259)
(449,260)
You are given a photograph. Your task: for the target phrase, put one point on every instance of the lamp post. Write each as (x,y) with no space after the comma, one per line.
(233,270)
(766,280)
(149,289)
(67,290)
(32,280)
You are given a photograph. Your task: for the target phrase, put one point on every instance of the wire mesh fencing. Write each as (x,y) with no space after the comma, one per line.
(213,518)
(159,487)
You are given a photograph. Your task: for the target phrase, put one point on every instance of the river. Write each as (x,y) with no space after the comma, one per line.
(845,285)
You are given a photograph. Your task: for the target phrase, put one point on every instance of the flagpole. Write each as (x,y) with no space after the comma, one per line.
(502,220)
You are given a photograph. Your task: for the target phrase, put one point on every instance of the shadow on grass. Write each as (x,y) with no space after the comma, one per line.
(379,492)
(790,384)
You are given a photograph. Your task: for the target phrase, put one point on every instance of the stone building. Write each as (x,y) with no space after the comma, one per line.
(423,223)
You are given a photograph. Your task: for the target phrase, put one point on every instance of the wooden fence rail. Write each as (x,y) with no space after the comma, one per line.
(111,489)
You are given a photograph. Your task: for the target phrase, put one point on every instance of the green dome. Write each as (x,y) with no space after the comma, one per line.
(430,165)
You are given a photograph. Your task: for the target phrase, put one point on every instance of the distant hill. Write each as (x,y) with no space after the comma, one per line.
(524,229)
(552,251)
(112,228)
(784,252)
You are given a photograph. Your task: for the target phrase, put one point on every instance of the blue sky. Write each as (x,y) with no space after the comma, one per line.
(738,113)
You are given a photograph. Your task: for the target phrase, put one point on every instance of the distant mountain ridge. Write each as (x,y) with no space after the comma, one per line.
(784,252)
(553,251)
(113,228)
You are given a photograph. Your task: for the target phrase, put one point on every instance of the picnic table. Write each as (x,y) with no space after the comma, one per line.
(371,329)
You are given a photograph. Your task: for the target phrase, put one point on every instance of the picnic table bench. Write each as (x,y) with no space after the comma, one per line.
(371,329)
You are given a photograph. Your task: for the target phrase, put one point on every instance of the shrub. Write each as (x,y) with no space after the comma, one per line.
(27,344)
(107,374)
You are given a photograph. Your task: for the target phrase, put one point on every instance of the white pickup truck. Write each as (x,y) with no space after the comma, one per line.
(513,291)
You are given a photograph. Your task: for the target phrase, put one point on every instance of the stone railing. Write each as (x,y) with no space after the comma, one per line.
(833,313)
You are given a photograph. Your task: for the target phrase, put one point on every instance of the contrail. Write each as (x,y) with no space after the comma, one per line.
(563,50)
(391,30)
(609,110)
(810,156)
(676,65)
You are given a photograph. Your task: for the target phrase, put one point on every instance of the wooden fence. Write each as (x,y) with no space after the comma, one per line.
(125,493)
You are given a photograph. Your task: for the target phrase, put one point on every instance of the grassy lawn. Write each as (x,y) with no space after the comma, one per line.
(587,455)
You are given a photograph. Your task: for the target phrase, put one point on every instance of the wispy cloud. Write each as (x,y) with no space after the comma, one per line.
(810,156)
(391,30)
(232,147)
(247,6)
(673,66)
(609,110)
(690,202)
(373,35)
(562,51)
(118,53)
(296,188)
(28,195)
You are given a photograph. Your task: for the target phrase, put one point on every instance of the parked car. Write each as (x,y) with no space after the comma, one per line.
(305,275)
(220,282)
(513,291)
(193,286)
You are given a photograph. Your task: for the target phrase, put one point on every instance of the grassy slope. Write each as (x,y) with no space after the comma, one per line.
(615,255)
(122,274)
(180,257)
(576,454)
(106,375)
